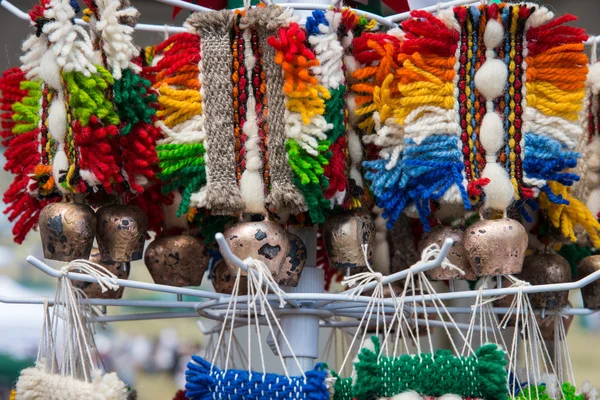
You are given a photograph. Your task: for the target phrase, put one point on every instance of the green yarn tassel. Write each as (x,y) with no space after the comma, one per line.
(133,99)
(87,96)
(26,113)
(482,375)
(569,392)
(182,167)
(308,177)
(334,113)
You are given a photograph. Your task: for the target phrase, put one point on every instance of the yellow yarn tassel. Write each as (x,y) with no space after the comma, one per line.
(13,395)
(565,217)
(178,105)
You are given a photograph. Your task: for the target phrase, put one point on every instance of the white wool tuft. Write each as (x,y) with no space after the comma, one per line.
(57,119)
(397,32)
(450,396)
(491,78)
(89,178)
(499,192)
(593,78)
(33,49)
(493,34)
(251,186)
(593,201)
(59,163)
(117,42)
(492,132)
(410,395)
(49,71)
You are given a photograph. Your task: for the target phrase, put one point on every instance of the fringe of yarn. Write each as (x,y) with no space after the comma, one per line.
(554,101)
(305,102)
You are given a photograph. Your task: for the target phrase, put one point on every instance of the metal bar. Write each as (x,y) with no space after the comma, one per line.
(405,15)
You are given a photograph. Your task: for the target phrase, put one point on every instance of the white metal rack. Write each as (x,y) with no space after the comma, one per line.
(307,307)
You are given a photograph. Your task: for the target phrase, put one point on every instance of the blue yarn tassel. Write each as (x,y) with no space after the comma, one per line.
(312,23)
(202,384)
(75,6)
(547,158)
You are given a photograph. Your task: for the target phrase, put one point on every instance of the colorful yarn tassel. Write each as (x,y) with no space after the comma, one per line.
(206,382)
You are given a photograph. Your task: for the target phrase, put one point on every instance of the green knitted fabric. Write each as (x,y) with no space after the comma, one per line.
(539,393)
(482,375)
(334,113)
(309,177)
(87,96)
(133,97)
(27,112)
(342,390)
(574,253)
(570,392)
(182,167)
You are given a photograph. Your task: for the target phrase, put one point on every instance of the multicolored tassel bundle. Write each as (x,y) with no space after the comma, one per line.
(484,104)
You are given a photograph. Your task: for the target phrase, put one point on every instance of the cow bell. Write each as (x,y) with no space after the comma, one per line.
(121,232)
(176,260)
(542,269)
(457,254)
(590,292)
(223,280)
(496,246)
(289,275)
(265,241)
(345,235)
(67,231)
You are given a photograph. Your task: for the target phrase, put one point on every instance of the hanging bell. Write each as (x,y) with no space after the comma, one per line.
(121,232)
(94,290)
(496,246)
(265,241)
(176,260)
(223,280)
(590,292)
(456,255)
(289,275)
(542,269)
(67,231)
(345,235)
(547,325)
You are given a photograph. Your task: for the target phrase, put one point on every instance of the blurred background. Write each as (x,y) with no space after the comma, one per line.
(151,355)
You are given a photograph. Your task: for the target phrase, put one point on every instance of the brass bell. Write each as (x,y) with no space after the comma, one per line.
(544,269)
(176,260)
(67,231)
(590,292)
(496,247)
(344,235)
(121,232)
(223,280)
(289,275)
(457,254)
(94,290)
(265,241)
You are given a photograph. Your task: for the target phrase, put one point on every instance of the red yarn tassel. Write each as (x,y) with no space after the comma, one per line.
(178,51)
(96,152)
(553,34)
(335,171)
(427,34)
(180,395)
(138,153)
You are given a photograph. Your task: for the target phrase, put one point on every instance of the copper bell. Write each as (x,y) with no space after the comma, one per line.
(262,240)
(121,232)
(94,290)
(544,269)
(67,231)
(345,234)
(590,292)
(496,247)
(223,280)
(289,275)
(457,254)
(176,260)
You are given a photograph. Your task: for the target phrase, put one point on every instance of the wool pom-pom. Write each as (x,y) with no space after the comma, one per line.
(493,34)
(450,397)
(57,119)
(499,192)
(492,133)
(49,70)
(410,395)
(491,78)
(251,186)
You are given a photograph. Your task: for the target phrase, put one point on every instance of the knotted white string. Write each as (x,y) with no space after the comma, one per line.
(106,279)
